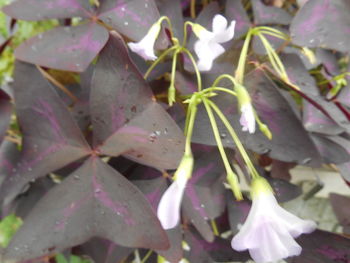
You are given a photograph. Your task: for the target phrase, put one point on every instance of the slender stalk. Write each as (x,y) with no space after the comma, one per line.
(186,24)
(193,8)
(171,91)
(198,74)
(243,57)
(231,92)
(146,257)
(156,62)
(57,84)
(225,160)
(189,130)
(235,138)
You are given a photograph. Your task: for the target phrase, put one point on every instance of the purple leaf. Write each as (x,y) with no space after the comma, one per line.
(323,247)
(238,212)
(329,61)
(219,250)
(5,113)
(344,95)
(131,18)
(330,151)
(284,191)
(280,170)
(129,121)
(269,14)
(204,194)
(105,251)
(64,48)
(315,121)
(9,155)
(340,205)
(95,201)
(234,10)
(298,74)
(153,190)
(172,9)
(315,23)
(51,138)
(48,9)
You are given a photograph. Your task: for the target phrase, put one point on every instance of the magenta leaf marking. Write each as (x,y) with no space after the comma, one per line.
(45,110)
(191,192)
(116,207)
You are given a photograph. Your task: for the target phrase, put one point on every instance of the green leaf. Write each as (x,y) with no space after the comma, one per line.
(60,259)
(8,227)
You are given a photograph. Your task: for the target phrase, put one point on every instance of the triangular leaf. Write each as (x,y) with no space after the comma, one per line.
(314,25)
(129,121)
(51,138)
(65,48)
(95,201)
(47,9)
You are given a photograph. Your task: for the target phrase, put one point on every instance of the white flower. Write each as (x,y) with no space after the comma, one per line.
(145,47)
(247,119)
(269,230)
(169,206)
(208,46)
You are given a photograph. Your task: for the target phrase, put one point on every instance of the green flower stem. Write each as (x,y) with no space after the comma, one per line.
(273,34)
(186,24)
(156,62)
(269,54)
(274,58)
(171,91)
(165,18)
(214,227)
(243,57)
(146,257)
(225,160)
(272,30)
(225,76)
(198,74)
(211,89)
(235,138)
(191,116)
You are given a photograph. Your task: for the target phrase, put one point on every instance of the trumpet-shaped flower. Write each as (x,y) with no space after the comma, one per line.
(145,47)
(169,206)
(269,230)
(208,46)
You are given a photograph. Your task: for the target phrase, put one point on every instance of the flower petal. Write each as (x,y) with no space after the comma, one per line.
(274,244)
(247,119)
(219,24)
(206,53)
(227,34)
(169,206)
(145,47)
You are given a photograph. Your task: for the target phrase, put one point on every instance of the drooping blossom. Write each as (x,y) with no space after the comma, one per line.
(269,231)
(145,47)
(208,47)
(169,206)
(247,119)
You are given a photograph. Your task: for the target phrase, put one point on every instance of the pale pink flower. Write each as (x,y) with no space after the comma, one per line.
(247,119)
(208,47)
(169,206)
(269,231)
(145,47)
